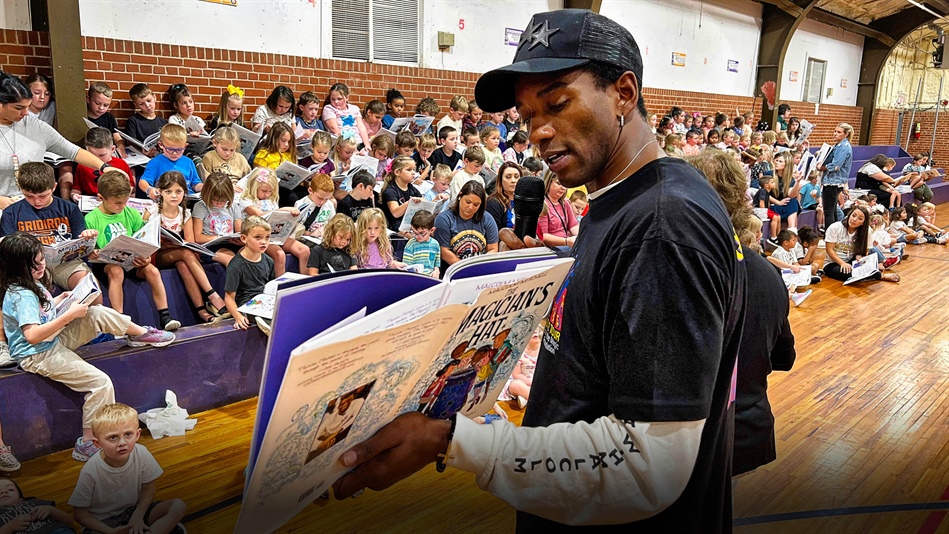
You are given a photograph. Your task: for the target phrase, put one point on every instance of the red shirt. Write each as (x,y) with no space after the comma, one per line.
(85,181)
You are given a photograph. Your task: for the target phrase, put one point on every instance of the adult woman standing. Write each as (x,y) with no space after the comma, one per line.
(501,202)
(559,225)
(836,169)
(463,231)
(25,138)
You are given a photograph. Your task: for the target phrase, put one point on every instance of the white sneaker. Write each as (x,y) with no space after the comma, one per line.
(6,360)
(798,298)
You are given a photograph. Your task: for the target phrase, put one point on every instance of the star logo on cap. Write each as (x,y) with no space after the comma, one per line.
(540,34)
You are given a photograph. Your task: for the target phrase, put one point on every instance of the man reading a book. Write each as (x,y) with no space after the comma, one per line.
(630,415)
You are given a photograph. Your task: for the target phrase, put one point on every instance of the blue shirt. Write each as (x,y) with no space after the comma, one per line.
(387,121)
(317,124)
(838,168)
(160,164)
(807,201)
(21,307)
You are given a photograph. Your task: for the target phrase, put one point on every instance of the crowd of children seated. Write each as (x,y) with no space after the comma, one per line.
(467,165)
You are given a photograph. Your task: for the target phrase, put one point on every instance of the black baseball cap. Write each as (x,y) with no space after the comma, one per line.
(560,40)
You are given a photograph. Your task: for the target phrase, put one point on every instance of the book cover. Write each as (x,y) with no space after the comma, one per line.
(419,354)
(68,250)
(123,250)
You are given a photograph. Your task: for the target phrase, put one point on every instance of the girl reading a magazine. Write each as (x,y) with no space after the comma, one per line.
(217,215)
(176,219)
(260,198)
(43,331)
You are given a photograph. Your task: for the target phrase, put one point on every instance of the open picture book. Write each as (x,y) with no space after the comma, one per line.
(124,249)
(282,225)
(68,250)
(393,342)
(85,292)
(863,269)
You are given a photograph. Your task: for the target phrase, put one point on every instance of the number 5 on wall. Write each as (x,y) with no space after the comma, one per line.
(461,24)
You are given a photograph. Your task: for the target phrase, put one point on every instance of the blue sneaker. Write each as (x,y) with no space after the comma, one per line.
(102,338)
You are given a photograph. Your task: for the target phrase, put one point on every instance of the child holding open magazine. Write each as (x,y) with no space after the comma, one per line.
(176,219)
(43,335)
(261,198)
(217,215)
(113,219)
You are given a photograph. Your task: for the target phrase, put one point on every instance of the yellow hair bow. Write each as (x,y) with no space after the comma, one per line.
(232,90)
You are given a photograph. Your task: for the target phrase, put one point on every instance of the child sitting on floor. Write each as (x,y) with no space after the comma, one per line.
(116,487)
(18,514)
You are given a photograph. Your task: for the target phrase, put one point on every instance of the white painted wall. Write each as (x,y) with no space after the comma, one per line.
(276,26)
(710,33)
(15,15)
(480,46)
(841,49)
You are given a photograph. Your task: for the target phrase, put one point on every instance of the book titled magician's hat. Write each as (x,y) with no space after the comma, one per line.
(555,41)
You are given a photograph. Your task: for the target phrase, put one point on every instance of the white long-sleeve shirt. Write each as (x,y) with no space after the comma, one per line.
(607,472)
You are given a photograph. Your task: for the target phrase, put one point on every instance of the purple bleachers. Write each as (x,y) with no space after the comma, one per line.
(207,367)
(804,218)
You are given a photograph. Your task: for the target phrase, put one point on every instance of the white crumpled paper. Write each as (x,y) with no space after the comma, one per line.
(172,420)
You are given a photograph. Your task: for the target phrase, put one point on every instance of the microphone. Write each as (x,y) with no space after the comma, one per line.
(528,203)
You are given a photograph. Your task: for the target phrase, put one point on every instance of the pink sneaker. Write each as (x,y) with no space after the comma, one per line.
(84,450)
(153,337)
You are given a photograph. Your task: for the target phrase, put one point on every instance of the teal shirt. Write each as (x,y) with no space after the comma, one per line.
(126,222)
(427,254)
(21,307)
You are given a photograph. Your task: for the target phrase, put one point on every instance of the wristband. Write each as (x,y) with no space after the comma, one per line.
(104,167)
(440,462)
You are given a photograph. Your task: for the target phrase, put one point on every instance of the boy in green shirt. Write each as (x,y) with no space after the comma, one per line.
(113,218)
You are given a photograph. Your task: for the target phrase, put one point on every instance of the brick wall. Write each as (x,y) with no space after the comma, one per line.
(926,121)
(208,71)
(883,127)
(23,53)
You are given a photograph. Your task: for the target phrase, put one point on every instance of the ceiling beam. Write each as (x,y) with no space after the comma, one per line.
(941,6)
(835,20)
(826,17)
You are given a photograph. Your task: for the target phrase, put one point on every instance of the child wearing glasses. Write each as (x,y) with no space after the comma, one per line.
(172,143)
(422,250)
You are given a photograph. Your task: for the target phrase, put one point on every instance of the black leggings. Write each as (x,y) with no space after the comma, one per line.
(829,198)
(833,270)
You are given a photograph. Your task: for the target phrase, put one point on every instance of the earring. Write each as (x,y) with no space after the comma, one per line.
(622,121)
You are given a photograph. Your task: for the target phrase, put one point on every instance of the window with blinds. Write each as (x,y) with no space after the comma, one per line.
(814,80)
(376,30)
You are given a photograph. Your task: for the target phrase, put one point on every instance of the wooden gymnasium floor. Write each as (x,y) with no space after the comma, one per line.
(862,434)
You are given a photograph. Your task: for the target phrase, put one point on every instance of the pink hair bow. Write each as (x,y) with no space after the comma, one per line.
(388,167)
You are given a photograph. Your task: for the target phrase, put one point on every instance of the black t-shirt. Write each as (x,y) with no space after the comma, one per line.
(439,157)
(766,343)
(352,207)
(762,195)
(647,327)
(247,278)
(323,258)
(138,127)
(107,121)
(45,526)
(394,194)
